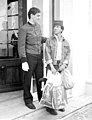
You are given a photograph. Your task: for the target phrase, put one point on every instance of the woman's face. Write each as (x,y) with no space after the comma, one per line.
(57,29)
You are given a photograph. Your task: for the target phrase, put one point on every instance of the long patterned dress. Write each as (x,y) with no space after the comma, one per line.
(54,94)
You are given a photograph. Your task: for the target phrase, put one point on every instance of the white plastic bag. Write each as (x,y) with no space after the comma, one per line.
(55,79)
(67,79)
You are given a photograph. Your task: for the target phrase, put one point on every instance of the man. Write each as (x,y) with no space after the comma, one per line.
(30,52)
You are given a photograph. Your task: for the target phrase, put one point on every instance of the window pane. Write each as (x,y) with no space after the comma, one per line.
(13,8)
(3,27)
(13,22)
(9,28)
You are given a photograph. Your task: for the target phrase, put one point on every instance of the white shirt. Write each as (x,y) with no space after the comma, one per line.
(59,48)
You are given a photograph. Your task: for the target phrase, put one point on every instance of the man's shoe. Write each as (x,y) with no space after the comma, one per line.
(31,106)
(51,111)
(62,110)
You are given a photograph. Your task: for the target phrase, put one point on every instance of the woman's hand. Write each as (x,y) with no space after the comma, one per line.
(62,67)
(53,70)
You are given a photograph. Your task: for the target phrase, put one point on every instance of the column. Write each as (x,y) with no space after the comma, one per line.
(89,81)
(80,45)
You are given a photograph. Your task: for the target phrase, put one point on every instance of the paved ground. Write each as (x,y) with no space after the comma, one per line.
(84,113)
(12,108)
(79,109)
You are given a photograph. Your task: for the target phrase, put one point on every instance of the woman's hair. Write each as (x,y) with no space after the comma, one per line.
(62,27)
(33,11)
(58,22)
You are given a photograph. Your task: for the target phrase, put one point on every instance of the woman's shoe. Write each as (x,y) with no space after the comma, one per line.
(51,111)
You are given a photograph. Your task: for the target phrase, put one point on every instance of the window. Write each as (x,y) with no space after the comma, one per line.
(9,28)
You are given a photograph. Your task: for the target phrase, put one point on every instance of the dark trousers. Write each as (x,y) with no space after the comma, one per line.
(36,68)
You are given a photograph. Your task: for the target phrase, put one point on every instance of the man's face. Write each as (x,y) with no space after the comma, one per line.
(36,17)
(57,29)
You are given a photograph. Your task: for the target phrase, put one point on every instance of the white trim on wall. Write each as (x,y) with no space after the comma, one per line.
(29,5)
(46,18)
(61,10)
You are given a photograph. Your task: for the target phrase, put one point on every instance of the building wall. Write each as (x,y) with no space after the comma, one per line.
(39,4)
(80,45)
(46,14)
(76,22)
(88,87)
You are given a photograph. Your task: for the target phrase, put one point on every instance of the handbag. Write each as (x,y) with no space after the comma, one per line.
(67,79)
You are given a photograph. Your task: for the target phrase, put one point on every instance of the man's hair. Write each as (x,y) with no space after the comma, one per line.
(33,11)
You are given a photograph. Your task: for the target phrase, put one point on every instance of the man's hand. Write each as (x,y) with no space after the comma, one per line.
(25,66)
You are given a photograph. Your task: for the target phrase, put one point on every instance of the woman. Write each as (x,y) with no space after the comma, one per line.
(57,58)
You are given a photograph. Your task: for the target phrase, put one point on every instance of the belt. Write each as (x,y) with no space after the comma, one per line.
(56,66)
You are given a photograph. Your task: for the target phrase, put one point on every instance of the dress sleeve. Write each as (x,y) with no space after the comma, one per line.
(48,52)
(68,51)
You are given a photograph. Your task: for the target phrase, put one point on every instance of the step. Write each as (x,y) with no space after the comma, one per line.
(12,107)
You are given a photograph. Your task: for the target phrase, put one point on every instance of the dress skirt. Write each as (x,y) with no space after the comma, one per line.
(54,94)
